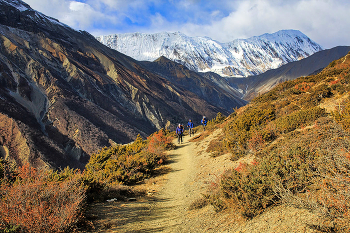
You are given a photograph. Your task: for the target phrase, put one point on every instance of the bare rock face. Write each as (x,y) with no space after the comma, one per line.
(64,96)
(13,141)
(209,86)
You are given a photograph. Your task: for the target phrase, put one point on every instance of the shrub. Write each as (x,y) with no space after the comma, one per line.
(2,169)
(329,194)
(217,147)
(248,190)
(240,129)
(198,204)
(218,119)
(126,164)
(159,142)
(256,142)
(266,97)
(251,187)
(295,120)
(34,203)
(311,166)
(342,116)
(304,86)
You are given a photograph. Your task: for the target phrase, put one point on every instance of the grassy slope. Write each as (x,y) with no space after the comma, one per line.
(298,135)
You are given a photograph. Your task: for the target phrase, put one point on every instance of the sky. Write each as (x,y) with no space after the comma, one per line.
(326,22)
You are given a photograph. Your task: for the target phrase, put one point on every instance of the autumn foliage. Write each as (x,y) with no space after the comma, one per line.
(33,200)
(159,142)
(41,201)
(126,164)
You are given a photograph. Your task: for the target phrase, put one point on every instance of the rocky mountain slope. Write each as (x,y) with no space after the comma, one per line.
(64,95)
(241,57)
(217,92)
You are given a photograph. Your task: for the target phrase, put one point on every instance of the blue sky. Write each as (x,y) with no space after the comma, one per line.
(327,22)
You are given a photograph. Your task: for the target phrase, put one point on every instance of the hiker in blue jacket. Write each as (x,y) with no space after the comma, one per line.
(190,127)
(179,132)
(204,122)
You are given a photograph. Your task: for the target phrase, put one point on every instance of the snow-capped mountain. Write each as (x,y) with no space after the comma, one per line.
(36,16)
(241,57)
(65,96)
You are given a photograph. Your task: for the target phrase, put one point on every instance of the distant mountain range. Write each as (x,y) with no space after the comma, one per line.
(64,95)
(259,84)
(239,58)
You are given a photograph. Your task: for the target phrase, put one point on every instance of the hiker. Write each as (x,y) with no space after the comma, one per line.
(190,127)
(204,122)
(179,132)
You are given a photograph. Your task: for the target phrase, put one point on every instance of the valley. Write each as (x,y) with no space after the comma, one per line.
(80,96)
(174,201)
(88,140)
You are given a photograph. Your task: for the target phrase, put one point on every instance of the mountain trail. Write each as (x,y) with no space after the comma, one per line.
(167,208)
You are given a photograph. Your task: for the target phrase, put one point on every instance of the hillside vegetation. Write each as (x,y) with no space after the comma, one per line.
(298,135)
(39,200)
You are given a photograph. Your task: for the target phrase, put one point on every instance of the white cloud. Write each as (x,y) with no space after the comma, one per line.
(73,13)
(79,6)
(83,16)
(51,8)
(325,21)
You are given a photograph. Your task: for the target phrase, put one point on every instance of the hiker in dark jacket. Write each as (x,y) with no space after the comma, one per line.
(190,126)
(204,122)
(179,132)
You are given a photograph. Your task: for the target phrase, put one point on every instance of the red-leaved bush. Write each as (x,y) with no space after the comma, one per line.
(37,203)
(160,141)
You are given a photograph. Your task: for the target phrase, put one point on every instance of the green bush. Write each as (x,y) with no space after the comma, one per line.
(300,118)
(266,97)
(248,190)
(122,164)
(218,119)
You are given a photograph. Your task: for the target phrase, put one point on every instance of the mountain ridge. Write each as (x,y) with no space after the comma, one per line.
(259,84)
(216,93)
(71,96)
(241,57)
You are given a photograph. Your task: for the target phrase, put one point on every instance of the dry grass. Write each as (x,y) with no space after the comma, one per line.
(198,204)
(217,147)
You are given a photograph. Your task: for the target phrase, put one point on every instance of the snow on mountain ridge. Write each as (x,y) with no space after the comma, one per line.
(35,15)
(19,4)
(241,57)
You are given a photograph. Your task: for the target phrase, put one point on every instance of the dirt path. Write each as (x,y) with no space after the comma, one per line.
(191,172)
(167,209)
